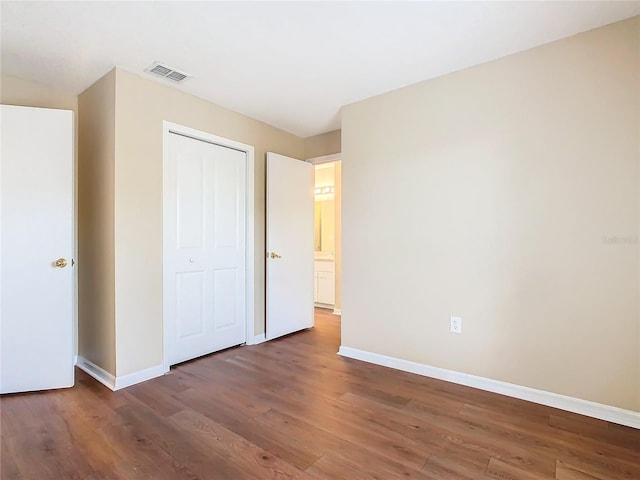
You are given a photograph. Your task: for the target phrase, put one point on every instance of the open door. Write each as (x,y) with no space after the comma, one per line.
(289,245)
(37,243)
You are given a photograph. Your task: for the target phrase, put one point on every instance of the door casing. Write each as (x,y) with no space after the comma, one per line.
(167,129)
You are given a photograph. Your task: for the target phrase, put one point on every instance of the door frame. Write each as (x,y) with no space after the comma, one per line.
(167,129)
(334,157)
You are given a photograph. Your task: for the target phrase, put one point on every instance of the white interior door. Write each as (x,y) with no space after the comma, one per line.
(204,264)
(36,229)
(290,237)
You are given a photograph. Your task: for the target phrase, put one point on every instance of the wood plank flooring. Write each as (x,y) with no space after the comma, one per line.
(293,409)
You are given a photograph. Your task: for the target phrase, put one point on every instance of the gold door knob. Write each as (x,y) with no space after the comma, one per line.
(60,263)
(275,255)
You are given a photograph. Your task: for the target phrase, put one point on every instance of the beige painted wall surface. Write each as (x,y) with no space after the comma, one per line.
(141,107)
(96,275)
(493,193)
(323,144)
(16,91)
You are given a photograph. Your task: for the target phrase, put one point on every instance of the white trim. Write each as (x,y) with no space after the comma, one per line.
(334,157)
(96,372)
(75,360)
(116,383)
(326,306)
(337,311)
(576,405)
(250,243)
(257,339)
(139,376)
(249,150)
(74,259)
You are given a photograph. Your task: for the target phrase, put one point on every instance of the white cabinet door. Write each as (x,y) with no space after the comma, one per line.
(315,287)
(204,266)
(326,288)
(290,235)
(36,244)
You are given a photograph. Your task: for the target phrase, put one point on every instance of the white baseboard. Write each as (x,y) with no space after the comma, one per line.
(116,383)
(326,306)
(140,376)
(337,311)
(609,413)
(100,374)
(257,339)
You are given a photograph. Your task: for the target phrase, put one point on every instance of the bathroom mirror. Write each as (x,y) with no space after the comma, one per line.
(325,240)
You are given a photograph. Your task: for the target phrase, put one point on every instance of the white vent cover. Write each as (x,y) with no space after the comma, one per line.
(167,72)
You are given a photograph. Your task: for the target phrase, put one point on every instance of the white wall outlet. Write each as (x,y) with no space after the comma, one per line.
(456,324)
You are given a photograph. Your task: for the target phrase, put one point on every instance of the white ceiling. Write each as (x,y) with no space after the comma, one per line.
(289,64)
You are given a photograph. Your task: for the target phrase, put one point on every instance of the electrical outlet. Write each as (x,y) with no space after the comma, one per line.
(456,324)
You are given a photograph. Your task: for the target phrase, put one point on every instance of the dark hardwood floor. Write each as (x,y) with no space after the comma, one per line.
(292,408)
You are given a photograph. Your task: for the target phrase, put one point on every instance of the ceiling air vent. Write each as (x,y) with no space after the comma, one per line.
(167,72)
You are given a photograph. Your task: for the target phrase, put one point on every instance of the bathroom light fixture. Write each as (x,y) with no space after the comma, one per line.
(323,190)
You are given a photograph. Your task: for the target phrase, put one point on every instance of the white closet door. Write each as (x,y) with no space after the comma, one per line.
(204,278)
(36,244)
(290,239)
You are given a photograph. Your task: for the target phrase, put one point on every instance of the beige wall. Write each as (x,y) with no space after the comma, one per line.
(487,194)
(96,254)
(15,91)
(141,107)
(323,144)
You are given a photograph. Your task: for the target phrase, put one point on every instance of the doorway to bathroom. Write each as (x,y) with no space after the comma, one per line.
(327,232)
